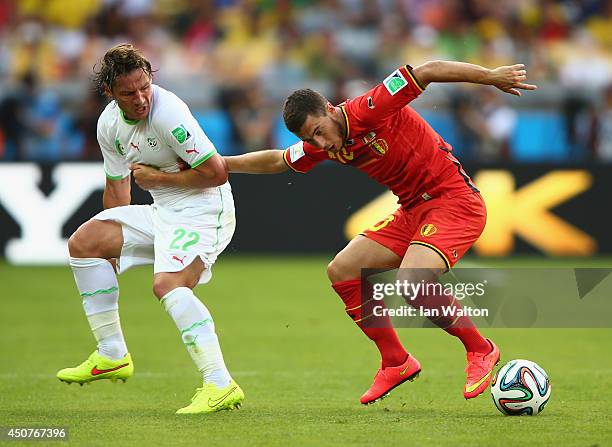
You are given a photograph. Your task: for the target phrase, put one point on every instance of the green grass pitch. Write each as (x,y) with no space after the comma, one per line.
(301,362)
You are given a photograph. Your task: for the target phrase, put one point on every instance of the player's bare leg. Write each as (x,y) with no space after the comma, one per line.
(90,248)
(197,329)
(344,272)
(424,264)
(360,253)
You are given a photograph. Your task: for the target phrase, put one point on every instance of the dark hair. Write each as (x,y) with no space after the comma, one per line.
(119,60)
(299,105)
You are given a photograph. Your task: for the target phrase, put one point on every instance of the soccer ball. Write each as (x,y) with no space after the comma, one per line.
(520,387)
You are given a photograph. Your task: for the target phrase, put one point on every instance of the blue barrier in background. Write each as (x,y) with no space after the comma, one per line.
(539,136)
(281,136)
(218,127)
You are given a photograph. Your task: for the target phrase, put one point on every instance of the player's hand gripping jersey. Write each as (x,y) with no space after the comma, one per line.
(392,144)
(169,132)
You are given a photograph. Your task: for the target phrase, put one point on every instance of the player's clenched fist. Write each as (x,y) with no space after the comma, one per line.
(145,176)
(510,78)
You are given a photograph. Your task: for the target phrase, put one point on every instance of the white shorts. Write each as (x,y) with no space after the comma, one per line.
(170,239)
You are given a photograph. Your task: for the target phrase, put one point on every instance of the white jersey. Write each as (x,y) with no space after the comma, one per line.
(170,131)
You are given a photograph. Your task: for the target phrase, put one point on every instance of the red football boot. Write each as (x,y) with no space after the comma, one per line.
(479,371)
(390,377)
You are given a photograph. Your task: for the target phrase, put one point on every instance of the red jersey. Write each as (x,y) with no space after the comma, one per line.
(392,144)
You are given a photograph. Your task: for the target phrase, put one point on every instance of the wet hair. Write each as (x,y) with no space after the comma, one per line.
(119,60)
(299,105)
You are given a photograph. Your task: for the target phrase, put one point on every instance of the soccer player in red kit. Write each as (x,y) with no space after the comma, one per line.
(440,215)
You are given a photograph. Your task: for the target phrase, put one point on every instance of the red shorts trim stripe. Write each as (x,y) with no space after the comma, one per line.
(436,249)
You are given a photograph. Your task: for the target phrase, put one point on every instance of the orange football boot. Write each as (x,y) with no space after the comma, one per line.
(388,378)
(479,371)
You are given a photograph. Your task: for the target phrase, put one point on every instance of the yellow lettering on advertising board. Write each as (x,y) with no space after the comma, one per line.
(524,212)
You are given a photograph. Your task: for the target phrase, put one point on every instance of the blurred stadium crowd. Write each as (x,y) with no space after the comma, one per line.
(234,62)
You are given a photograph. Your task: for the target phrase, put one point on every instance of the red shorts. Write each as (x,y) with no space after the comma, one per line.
(447,225)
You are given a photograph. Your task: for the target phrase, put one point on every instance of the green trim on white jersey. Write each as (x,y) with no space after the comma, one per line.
(203,159)
(126,120)
(114,177)
(219,217)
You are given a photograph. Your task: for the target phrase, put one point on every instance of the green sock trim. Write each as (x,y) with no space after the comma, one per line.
(101,291)
(196,325)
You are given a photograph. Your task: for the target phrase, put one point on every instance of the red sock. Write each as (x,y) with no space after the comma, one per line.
(460,327)
(471,339)
(391,349)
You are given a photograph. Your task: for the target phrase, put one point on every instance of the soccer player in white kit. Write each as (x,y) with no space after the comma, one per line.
(149,132)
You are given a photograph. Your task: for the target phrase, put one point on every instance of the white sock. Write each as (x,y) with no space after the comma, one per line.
(197,328)
(97,284)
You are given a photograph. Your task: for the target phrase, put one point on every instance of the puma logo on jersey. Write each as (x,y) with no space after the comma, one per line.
(135,146)
(181,260)
(192,151)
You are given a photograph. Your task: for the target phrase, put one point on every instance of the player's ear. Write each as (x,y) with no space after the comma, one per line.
(329,107)
(107,91)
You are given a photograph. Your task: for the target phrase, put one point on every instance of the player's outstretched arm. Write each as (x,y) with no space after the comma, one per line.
(509,78)
(261,162)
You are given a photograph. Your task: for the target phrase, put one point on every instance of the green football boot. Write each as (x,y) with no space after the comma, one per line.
(97,367)
(210,398)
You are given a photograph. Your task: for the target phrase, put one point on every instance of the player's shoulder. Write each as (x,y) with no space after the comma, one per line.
(167,109)
(166,97)
(165,103)
(357,115)
(170,118)
(109,117)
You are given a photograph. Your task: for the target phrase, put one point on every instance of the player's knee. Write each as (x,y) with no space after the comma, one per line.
(73,245)
(163,284)
(339,270)
(96,239)
(161,287)
(82,243)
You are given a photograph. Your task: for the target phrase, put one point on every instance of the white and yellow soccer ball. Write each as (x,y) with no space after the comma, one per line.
(520,387)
